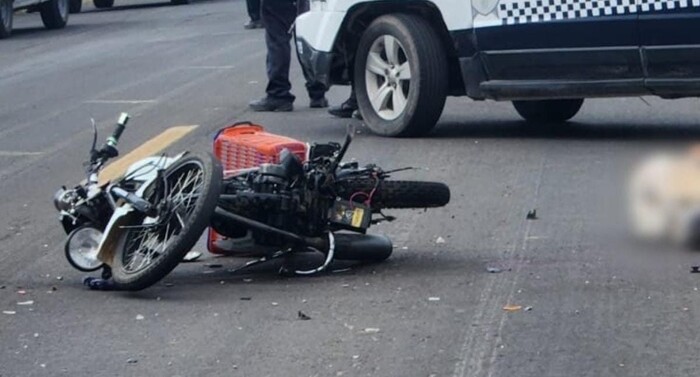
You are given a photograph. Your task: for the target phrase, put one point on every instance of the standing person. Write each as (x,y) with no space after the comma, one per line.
(254,14)
(278,17)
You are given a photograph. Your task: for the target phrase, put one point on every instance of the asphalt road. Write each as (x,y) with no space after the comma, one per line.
(596,310)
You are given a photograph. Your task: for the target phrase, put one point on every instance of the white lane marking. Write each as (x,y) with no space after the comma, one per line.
(210,67)
(18,153)
(122,101)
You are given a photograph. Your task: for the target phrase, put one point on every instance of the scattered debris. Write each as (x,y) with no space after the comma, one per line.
(695,269)
(222,282)
(24,303)
(191,256)
(371,330)
(532,214)
(303,316)
(440,240)
(247,280)
(36,334)
(246,298)
(512,308)
(59,277)
(433,298)
(9,312)
(214,265)
(21,292)
(42,365)
(2,287)
(355,357)
(169,285)
(274,304)
(404,247)
(139,317)
(528,308)
(342,270)
(345,285)
(208,272)
(132,361)
(494,270)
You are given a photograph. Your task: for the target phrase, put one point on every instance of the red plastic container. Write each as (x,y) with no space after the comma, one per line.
(246,145)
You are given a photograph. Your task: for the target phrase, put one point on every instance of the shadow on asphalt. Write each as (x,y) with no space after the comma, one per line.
(129,7)
(570,130)
(186,281)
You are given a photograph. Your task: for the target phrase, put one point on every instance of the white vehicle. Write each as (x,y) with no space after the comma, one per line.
(54,13)
(404,56)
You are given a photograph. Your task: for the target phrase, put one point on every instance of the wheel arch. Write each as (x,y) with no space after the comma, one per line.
(361,15)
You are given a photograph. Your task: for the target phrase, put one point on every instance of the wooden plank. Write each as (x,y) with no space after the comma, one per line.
(150,148)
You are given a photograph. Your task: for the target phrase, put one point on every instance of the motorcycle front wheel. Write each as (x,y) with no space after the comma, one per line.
(147,252)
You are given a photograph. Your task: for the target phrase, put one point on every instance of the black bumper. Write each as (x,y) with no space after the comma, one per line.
(316,64)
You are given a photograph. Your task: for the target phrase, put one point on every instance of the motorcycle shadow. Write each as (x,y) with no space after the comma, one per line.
(200,281)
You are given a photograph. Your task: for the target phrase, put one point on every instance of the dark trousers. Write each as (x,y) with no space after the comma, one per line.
(253,9)
(278,17)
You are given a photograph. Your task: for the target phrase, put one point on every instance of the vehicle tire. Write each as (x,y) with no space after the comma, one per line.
(54,13)
(195,181)
(400,76)
(179,2)
(548,111)
(101,4)
(6,14)
(396,194)
(75,6)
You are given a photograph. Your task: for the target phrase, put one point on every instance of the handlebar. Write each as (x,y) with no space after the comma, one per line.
(113,140)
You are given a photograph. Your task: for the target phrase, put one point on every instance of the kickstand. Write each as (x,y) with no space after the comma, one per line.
(255,262)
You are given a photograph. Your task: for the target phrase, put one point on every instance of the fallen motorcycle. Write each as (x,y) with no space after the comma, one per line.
(287,201)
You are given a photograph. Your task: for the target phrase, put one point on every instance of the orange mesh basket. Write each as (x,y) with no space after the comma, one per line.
(246,145)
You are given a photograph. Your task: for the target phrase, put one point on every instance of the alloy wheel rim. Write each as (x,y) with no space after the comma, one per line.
(388,77)
(63,8)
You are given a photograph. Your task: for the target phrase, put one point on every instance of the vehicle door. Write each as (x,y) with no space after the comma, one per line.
(670,38)
(561,41)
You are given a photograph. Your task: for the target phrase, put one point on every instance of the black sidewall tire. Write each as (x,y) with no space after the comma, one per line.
(195,226)
(426,55)
(75,6)
(6,24)
(101,4)
(51,14)
(548,111)
(397,194)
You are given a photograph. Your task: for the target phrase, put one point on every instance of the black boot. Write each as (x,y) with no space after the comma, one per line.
(345,109)
(272,104)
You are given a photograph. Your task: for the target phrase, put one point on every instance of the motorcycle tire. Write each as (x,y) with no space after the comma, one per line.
(198,206)
(396,194)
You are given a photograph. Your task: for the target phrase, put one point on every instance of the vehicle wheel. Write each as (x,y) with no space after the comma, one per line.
(54,13)
(548,111)
(179,2)
(6,13)
(145,255)
(396,194)
(400,76)
(75,6)
(103,3)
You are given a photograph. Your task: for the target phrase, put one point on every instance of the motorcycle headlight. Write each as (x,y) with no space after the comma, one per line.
(63,199)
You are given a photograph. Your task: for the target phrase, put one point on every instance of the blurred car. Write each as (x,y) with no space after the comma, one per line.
(54,13)
(77,5)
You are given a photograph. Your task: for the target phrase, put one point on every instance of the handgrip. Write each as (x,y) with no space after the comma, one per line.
(121,125)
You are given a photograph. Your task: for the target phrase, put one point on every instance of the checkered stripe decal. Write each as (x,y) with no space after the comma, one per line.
(514,12)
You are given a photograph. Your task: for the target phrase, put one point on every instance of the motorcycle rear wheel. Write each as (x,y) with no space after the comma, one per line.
(146,255)
(396,194)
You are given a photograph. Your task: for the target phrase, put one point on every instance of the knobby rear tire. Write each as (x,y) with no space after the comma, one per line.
(397,194)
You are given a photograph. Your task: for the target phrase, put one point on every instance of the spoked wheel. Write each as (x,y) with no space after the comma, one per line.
(148,251)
